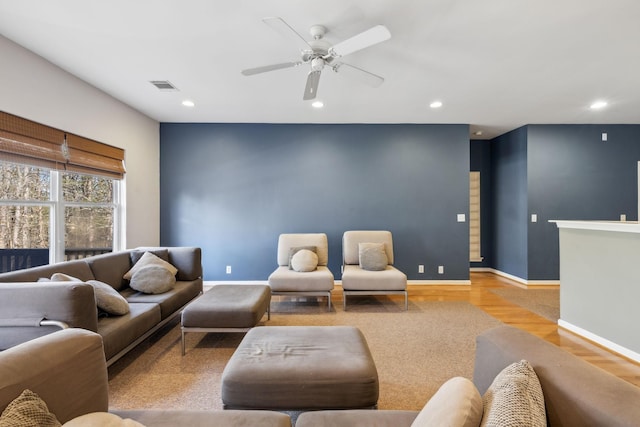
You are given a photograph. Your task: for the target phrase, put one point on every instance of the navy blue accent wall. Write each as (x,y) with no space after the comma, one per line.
(509,203)
(480,151)
(573,174)
(233,188)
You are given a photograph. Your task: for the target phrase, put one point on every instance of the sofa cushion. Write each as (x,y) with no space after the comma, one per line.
(515,398)
(152,279)
(136,254)
(372,256)
(304,261)
(28,410)
(101,419)
(456,403)
(110,267)
(108,299)
(150,259)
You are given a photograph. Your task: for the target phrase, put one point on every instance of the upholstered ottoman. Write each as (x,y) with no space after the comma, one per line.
(226,308)
(301,368)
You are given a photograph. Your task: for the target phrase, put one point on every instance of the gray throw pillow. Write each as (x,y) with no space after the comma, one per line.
(372,256)
(514,398)
(304,261)
(153,279)
(108,299)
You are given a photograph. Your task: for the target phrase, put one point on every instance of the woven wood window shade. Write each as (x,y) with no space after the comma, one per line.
(24,141)
(93,157)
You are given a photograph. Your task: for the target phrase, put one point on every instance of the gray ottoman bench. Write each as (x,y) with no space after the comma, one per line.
(226,308)
(301,368)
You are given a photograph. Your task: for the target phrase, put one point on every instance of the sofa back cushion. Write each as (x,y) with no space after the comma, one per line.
(187,259)
(295,240)
(76,268)
(351,244)
(109,268)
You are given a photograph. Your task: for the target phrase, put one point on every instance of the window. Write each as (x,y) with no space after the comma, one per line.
(60,195)
(49,216)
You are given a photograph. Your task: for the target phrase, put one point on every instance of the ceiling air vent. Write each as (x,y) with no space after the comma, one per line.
(164,85)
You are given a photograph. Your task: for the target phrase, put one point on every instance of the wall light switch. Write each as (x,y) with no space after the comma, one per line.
(604,136)
(461,218)
(534,217)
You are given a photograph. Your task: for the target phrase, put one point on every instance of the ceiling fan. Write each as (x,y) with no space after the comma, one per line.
(320,53)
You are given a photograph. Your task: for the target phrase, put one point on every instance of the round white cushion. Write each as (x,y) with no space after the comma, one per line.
(304,260)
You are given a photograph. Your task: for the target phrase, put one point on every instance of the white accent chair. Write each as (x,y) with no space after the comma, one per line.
(358,281)
(286,281)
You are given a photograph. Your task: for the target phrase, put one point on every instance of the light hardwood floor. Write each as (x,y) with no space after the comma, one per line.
(479,294)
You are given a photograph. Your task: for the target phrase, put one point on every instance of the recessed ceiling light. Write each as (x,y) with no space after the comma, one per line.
(598,105)
(478,133)
(188,103)
(317,104)
(436,104)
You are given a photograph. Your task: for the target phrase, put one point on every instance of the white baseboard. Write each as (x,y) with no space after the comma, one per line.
(599,340)
(520,280)
(209,283)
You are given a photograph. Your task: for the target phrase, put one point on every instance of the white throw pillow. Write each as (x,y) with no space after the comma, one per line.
(152,279)
(457,403)
(304,260)
(149,259)
(515,398)
(101,419)
(61,277)
(108,299)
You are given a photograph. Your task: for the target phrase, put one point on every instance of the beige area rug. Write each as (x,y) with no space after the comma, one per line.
(544,302)
(415,352)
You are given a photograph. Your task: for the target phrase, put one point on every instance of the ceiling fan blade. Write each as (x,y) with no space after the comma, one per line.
(311,88)
(358,73)
(372,36)
(266,68)
(287,31)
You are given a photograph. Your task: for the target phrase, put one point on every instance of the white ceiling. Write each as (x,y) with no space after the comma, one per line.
(495,64)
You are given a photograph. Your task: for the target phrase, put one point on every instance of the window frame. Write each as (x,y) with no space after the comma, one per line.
(57,206)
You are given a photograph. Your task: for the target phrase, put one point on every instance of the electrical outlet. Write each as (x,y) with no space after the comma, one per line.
(441,269)
(228,269)
(623,217)
(421,268)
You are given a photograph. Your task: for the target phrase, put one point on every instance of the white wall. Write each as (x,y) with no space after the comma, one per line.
(37,90)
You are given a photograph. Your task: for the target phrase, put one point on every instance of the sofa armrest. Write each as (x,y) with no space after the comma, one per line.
(72,303)
(67,369)
(575,392)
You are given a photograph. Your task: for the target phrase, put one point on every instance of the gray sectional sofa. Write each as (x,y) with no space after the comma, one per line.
(575,392)
(30,308)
